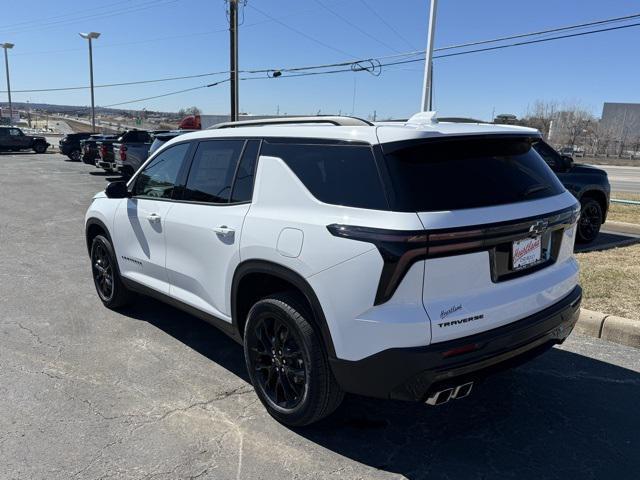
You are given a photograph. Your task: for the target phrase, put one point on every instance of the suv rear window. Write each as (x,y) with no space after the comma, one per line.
(440,175)
(336,174)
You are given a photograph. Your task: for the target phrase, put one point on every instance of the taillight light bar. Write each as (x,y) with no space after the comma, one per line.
(401,248)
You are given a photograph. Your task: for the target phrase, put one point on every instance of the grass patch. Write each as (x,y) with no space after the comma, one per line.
(611,281)
(619,212)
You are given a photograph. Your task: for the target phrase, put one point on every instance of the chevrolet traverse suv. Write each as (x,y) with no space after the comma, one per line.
(404,261)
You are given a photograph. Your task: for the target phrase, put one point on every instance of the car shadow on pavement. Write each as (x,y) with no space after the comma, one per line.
(607,240)
(197,334)
(562,415)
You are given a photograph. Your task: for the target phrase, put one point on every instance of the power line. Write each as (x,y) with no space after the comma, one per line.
(122,11)
(389,26)
(301,33)
(357,65)
(166,94)
(27,22)
(356,27)
(541,32)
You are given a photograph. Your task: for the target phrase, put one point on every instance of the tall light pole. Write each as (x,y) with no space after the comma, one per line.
(233,57)
(90,36)
(427,84)
(6,47)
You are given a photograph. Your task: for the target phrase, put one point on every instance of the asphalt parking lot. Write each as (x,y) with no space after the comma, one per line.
(152,392)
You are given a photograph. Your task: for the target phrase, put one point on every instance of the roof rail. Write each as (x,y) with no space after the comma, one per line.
(339,121)
(460,120)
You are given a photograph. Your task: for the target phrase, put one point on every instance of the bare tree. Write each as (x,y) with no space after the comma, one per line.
(183,112)
(541,115)
(576,123)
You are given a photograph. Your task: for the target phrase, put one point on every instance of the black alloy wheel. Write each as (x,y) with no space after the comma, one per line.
(102,271)
(287,362)
(106,276)
(278,362)
(590,221)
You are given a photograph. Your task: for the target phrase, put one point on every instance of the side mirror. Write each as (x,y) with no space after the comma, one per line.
(117,190)
(568,161)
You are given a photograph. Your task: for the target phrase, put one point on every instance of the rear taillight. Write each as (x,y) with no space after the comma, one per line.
(123,153)
(401,248)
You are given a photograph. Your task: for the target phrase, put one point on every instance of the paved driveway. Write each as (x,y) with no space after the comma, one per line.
(151,392)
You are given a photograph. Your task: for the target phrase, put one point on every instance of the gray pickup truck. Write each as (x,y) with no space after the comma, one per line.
(131,150)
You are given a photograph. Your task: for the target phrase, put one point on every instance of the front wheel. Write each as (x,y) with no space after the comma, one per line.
(590,220)
(40,148)
(75,155)
(106,276)
(287,363)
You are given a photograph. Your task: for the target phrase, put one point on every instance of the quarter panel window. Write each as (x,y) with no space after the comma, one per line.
(212,171)
(159,177)
(243,186)
(335,174)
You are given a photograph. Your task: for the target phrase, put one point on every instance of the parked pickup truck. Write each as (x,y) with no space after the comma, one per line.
(106,150)
(590,185)
(89,147)
(13,139)
(132,149)
(70,145)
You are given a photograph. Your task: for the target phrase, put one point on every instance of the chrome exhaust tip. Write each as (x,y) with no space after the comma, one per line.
(462,391)
(438,398)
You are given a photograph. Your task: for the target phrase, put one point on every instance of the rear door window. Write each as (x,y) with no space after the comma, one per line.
(212,171)
(335,174)
(454,174)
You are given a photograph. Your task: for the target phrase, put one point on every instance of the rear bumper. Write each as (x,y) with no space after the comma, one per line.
(413,373)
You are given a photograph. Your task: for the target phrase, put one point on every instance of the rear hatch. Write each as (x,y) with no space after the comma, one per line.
(499,229)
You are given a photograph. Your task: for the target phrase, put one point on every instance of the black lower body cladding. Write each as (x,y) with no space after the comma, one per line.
(413,373)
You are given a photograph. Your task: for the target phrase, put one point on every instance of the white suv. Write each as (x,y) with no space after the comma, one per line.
(400,261)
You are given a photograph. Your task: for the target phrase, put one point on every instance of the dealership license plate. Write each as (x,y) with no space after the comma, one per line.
(526,252)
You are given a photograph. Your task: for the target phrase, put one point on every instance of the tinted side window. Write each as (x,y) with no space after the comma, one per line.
(547,154)
(243,186)
(159,177)
(211,174)
(336,174)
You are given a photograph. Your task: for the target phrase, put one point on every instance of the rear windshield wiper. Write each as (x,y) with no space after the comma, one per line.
(534,189)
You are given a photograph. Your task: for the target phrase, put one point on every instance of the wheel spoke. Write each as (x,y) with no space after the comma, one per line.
(277,360)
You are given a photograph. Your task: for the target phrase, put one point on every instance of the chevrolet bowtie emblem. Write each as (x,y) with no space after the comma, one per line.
(539,227)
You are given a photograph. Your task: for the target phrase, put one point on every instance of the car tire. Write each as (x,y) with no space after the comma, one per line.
(287,363)
(75,155)
(590,220)
(106,275)
(40,147)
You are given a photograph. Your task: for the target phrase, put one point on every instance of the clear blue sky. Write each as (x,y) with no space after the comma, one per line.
(184,37)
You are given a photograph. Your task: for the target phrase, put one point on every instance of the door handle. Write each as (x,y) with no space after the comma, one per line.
(224,230)
(154,218)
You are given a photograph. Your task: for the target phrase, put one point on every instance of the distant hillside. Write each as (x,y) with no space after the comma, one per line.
(77,109)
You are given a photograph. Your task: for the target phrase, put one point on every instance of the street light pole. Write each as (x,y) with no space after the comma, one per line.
(427,85)
(6,47)
(90,36)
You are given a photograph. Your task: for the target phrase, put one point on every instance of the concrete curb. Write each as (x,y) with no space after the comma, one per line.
(609,327)
(622,227)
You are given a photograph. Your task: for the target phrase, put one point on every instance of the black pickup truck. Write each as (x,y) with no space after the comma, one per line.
(13,139)
(70,145)
(590,185)
(89,147)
